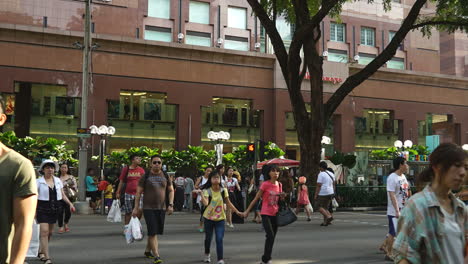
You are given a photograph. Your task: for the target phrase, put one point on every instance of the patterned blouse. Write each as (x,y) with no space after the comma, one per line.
(421,228)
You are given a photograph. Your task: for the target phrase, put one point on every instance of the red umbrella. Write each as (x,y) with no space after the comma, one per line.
(279,162)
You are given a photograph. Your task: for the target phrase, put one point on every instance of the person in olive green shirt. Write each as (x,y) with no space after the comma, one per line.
(17,202)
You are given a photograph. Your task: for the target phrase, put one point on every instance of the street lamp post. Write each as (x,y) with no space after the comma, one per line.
(218,137)
(83,142)
(102,131)
(325,141)
(403,145)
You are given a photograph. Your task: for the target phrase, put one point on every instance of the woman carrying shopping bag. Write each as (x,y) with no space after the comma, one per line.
(303,198)
(213,197)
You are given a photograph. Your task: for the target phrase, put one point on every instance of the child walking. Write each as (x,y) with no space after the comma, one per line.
(213,198)
(270,192)
(303,198)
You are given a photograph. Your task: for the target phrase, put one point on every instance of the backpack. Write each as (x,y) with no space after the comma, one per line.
(147,174)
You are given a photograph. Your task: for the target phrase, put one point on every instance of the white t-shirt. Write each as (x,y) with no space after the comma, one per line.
(399,185)
(452,246)
(231,184)
(325,178)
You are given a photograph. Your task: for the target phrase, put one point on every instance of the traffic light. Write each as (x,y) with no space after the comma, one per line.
(261,150)
(251,152)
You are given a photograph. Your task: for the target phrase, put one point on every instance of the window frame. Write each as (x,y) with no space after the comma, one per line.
(208,15)
(334,37)
(365,34)
(230,25)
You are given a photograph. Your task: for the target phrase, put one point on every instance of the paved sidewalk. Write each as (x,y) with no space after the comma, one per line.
(353,238)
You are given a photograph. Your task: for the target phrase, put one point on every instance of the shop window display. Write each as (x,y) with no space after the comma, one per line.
(377,128)
(142,118)
(292,142)
(54,113)
(437,124)
(235,116)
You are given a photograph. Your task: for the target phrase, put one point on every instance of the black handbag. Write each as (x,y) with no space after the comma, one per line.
(285,215)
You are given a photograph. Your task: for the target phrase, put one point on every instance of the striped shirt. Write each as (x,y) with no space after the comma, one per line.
(421,228)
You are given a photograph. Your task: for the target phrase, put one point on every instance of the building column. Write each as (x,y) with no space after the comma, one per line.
(188,126)
(347,134)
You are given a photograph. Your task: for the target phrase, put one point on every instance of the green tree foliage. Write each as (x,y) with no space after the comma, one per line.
(304,56)
(39,148)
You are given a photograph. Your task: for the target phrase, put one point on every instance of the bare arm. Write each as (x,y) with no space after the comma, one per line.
(138,198)
(23,216)
(204,200)
(252,204)
(233,208)
(119,189)
(65,198)
(317,190)
(238,186)
(171,194)
(197,184)
(395,204)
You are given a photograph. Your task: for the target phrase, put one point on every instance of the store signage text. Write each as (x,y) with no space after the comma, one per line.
(333,80)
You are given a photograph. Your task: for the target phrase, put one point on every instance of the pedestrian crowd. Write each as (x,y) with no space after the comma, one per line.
(430,226)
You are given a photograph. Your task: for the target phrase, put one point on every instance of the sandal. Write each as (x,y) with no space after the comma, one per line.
(329,220)
(41,257)
(67,229)
(47,261)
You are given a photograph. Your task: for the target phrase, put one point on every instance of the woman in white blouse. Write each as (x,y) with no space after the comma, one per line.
(51,194)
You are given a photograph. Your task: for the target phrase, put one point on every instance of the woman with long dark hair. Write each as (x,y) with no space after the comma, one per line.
(433,226)
(232,186)
(270,192)
(70,189)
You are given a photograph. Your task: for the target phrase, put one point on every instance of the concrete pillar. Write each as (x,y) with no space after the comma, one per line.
(188,125)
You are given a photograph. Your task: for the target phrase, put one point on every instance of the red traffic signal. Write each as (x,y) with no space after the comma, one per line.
(251,147)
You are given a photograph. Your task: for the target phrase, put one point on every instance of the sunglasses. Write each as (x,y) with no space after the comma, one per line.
(157,162)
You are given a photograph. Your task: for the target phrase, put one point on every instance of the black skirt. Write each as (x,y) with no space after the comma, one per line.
(47,212)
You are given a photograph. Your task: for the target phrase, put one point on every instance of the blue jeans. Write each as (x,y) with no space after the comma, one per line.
(218,227)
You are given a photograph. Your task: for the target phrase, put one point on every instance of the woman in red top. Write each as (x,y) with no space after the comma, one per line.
(270,192)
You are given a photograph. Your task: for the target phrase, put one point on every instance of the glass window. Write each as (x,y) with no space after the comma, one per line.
(53,113)
(237,17)
(236,43)
(158,34)
(391,35)
(337,32)
(285,30)
(199,12)
(365,58)
(337,55)
(377,128)
(262,39)
(159,8)
(368,36)
(142,119)
(396,63)
(198,39)
(233,115)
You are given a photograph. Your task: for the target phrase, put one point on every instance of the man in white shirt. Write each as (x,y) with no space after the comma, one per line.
(398,192)
(324,193)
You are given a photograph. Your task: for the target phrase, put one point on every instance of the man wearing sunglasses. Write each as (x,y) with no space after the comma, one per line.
(158,199)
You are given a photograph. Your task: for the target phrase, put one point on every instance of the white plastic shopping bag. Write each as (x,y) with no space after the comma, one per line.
(136,230)
(128,234)
(335,203)
(309,208)
(34,244)
(114,215)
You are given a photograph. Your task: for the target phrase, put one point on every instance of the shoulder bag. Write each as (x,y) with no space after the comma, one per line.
(334,202)
(285,215)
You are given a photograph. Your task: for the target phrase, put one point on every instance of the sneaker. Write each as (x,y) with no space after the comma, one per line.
(207,258)
(231,225)
(149,255)
(157,260)
(220,261)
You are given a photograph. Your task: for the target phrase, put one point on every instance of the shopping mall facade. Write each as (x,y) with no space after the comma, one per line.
(161,93)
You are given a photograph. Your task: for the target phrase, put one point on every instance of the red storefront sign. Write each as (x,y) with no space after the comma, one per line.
(333,80)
